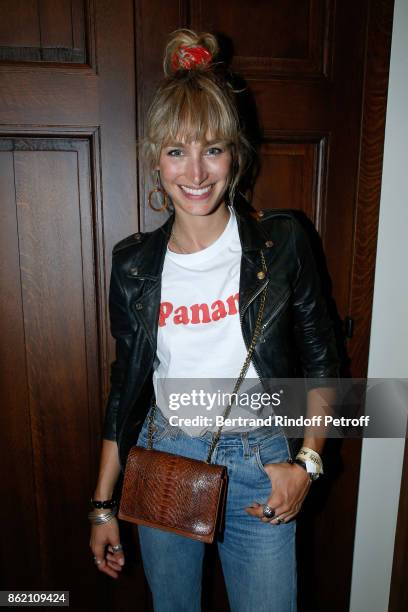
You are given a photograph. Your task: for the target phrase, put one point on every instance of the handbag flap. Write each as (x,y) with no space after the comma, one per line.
(176,492)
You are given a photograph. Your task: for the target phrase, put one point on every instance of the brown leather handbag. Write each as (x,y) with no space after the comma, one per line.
(175,493)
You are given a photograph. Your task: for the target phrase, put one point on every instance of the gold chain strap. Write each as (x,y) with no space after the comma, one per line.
(245,367)
(238,383)
(150,426)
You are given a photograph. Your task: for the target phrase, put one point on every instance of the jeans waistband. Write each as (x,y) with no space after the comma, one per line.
(252,436)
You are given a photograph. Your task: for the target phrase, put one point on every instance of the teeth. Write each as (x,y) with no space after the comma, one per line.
(197,192)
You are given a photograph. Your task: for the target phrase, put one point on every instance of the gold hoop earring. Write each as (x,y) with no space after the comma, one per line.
(165,201)
(158,189)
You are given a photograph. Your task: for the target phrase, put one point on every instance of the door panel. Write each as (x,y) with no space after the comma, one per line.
(51,299)
(67,194)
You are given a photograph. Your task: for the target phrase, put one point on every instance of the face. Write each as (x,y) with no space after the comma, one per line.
(196,175)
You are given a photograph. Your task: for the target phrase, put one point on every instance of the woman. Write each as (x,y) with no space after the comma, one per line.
(183,304)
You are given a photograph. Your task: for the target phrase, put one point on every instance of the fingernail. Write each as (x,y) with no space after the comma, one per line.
(121,561)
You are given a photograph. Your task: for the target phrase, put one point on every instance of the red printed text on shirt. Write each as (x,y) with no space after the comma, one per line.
(197,314)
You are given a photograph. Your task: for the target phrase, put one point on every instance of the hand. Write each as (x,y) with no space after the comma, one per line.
(101,536)
(290,486)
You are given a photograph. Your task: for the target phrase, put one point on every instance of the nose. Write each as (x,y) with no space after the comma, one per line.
(197,171)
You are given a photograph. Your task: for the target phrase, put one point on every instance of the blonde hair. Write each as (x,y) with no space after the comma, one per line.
(191,103)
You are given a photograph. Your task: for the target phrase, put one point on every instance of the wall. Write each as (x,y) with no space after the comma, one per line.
(381,458)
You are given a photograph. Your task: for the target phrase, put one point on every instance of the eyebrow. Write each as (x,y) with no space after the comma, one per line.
(207,143)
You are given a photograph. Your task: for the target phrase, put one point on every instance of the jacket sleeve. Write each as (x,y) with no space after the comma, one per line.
(122,332)
(313,327)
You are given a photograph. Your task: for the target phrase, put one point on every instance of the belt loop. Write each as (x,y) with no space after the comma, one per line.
(245,444)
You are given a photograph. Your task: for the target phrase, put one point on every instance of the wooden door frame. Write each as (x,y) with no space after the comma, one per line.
(378,52)
(374,100)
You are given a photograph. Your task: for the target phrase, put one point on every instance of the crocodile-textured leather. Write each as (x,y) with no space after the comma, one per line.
(173,493)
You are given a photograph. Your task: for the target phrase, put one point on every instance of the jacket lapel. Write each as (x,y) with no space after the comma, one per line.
(146,307)
(252,281)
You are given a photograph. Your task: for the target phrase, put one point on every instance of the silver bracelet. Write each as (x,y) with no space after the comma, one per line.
(100,518)
(104,518)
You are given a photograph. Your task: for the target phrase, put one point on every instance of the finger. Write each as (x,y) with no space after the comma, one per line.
(287,518)
(111,572)
(279,519)
(102,566)
(101,562)
(255,509)
(290,514)
(114,566)
(280,512)
(99,558)
(112,562)
(118,555)
(275,502)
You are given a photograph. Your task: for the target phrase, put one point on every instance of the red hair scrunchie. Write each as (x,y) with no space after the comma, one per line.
(188,58)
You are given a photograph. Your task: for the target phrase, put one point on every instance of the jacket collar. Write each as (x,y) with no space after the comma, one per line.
(249,228)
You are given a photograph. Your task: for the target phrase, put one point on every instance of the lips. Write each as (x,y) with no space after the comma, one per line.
(202,192)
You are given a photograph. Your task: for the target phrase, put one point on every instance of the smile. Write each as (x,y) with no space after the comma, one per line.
(196,192)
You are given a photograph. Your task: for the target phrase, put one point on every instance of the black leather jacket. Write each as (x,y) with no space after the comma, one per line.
(296,327)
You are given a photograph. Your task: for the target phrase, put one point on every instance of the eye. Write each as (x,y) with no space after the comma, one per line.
(214,151)
(175,152)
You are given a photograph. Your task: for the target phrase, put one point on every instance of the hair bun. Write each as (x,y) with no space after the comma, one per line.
(187,50)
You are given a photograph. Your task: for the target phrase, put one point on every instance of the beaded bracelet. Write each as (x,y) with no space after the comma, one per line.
(106,504)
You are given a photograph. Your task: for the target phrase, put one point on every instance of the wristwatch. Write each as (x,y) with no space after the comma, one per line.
(312,475)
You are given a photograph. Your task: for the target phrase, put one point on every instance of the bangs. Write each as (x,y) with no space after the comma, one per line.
(190,114)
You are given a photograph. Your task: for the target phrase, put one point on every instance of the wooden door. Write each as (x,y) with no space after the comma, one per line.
(76,78)
(316,73)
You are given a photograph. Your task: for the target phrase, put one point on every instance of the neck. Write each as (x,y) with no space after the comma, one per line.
(195,233)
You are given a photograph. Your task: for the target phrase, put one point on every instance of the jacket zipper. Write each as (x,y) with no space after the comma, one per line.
(257,292)
(241,316)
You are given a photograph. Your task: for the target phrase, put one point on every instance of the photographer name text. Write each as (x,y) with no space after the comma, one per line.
(282,421)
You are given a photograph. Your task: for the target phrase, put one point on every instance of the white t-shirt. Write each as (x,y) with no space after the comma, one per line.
(199,333)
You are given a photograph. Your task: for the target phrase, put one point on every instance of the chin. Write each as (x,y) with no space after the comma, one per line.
(199,208)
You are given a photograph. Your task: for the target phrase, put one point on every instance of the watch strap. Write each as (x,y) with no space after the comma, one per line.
(312,475)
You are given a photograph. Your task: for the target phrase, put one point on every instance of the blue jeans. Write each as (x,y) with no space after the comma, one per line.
(258,559)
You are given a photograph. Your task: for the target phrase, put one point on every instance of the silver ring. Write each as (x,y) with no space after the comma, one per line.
(117,548)
(97,561)
(268,512)
(279,521)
